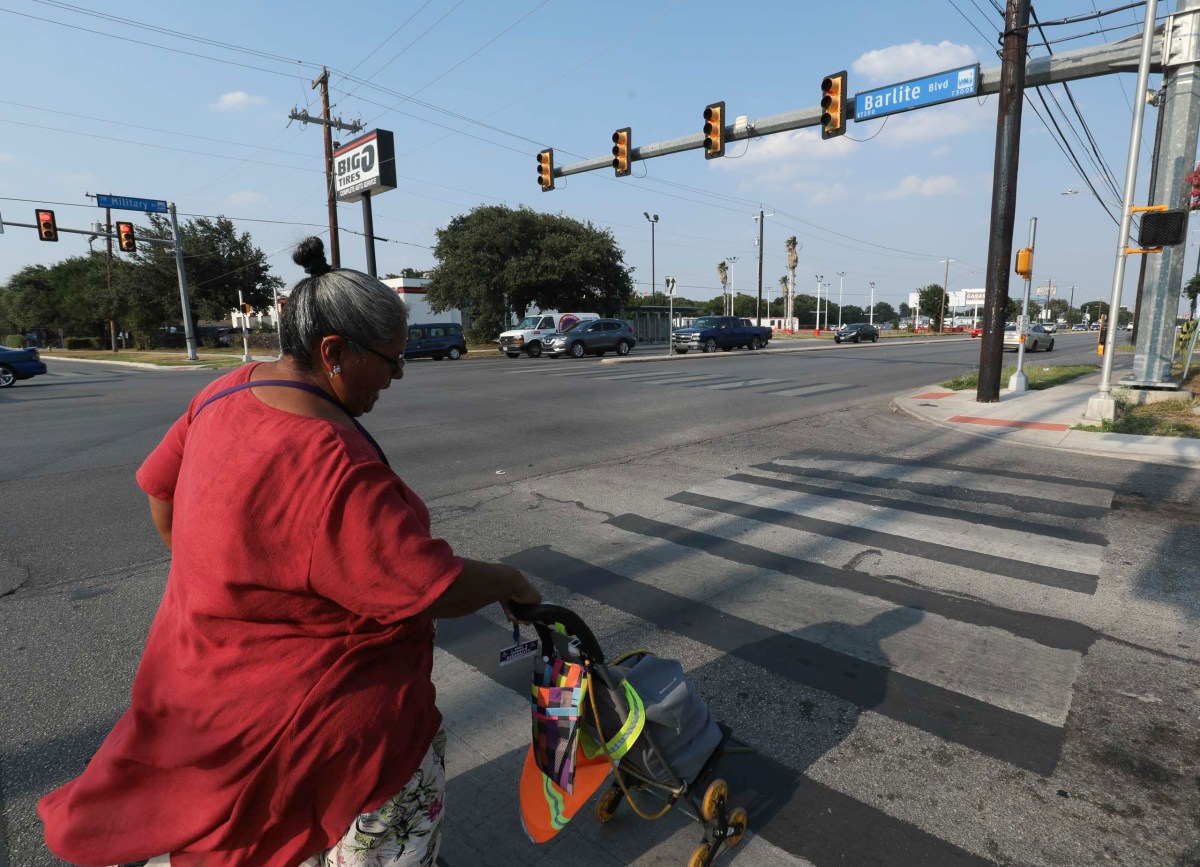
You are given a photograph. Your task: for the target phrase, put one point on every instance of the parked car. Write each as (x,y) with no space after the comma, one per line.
(18,364)
(594,337)
(1050,327)
(436,340)
(1079,326)
(1038,338)
(530,333)
(856,333)
(710,333)
(977,331)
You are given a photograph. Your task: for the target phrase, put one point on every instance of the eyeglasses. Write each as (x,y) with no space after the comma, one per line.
(396,364)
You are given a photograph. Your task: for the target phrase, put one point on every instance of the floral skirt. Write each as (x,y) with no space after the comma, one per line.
(405,832)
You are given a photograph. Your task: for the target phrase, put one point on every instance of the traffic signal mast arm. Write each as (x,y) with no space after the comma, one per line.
(1067,66)
(141,240)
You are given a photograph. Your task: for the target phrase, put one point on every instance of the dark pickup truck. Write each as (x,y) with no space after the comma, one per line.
(710,333)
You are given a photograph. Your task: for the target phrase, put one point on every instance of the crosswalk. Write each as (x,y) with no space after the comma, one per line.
(679,377)
(861,622)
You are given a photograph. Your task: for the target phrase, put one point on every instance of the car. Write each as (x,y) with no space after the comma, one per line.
(710,333)
(977,331)
(856,333)
(436,340)
(17,364)
(1038,338)
(591,337)
(1079,326)
(1050,327)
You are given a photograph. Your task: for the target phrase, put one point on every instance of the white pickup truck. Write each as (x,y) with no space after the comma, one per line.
(531,332)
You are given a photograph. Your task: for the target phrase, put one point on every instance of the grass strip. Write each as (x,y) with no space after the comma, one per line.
(1038,376)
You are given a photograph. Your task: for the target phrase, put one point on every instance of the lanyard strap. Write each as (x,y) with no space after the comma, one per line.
(303,386)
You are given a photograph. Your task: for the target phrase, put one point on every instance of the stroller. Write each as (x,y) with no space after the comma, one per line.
(636,715)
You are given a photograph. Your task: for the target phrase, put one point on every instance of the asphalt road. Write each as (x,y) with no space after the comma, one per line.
(942,649)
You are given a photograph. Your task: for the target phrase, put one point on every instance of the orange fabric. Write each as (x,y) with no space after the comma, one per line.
(545,808)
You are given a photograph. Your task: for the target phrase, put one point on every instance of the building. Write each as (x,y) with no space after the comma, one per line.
(412,292)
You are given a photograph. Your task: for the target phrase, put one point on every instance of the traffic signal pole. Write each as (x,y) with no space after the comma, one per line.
(188,330)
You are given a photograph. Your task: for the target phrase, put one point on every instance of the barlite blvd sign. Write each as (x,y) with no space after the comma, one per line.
(365,166)
(917,93)
(128,203)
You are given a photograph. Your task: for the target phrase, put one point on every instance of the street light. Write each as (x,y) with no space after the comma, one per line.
(871,314)
(817,324)
(731,260)
(653,278)
(841,280)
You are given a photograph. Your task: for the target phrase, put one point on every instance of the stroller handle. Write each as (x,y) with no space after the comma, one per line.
(543,617)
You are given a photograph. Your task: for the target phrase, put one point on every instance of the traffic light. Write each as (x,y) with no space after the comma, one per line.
(546,169)
(833,105)
(125,239)
(47,228)
(621,149)
(714,130)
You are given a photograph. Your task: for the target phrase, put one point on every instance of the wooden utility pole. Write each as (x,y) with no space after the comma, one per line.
(1004,197)
(335,252)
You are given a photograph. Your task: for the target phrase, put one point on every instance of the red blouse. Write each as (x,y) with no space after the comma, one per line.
(286,682)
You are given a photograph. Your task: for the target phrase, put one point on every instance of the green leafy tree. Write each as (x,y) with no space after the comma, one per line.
(805,310)
(219,263)
(28,300)
(885,312)
(495,259)
(1191,290)
(931,302)
(905,311)
(853,313)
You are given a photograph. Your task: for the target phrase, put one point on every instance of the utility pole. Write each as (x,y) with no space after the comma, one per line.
(335,252)
(762,219)
(732,260)
(841,283)
(817,324)
(1004,197)
(112,323)
(1157,101)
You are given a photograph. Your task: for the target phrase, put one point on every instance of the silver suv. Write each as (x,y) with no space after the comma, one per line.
(592,338)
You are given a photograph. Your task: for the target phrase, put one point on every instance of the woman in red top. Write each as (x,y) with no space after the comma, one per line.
(284,709)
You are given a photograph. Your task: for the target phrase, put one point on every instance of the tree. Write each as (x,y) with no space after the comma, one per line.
(723,275)
(495,259)
(406,272)
(885,312)
(219,263)
(905,311)
(28,300)
(931,301)
(1191,290)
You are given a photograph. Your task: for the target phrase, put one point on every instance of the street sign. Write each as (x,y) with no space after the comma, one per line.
(1046,291)
(917,93)
(366,165)
(670,285)
(128,203)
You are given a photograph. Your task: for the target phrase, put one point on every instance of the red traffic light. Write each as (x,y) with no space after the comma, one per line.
(46,226)
(125,239)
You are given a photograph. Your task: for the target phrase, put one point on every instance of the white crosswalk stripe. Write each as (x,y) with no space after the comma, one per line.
(917,595)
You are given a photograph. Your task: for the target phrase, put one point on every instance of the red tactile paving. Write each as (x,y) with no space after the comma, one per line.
(934,395)
(1004,422)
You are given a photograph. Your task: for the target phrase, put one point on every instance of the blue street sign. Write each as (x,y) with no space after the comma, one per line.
(917,93)
(126,203)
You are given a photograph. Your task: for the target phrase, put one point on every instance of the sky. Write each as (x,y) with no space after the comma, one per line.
(189,103)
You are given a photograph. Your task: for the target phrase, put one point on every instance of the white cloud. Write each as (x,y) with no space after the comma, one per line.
(935,123)
(912,186)
(901,62)
(801,145)
(7,158)
(236,101)
(244,198)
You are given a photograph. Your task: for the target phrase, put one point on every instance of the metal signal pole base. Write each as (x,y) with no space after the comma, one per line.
(1101,407)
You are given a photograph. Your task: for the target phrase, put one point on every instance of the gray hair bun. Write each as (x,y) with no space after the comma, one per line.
(310,255)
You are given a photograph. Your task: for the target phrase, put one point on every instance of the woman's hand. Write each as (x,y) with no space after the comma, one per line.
(524,593)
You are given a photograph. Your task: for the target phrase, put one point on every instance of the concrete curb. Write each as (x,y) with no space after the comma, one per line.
(143,365)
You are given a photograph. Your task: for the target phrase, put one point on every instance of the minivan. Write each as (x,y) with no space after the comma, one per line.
(436,340)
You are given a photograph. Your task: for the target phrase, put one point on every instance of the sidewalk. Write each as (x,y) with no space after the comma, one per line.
(1044,418)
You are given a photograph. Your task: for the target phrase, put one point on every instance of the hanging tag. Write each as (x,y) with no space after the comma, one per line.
(519,649)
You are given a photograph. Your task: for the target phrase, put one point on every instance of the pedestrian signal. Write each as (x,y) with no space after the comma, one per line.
(714,130)
(47,228)
(125,239)
(246,309)
(546,169)
(833,105)
(621,148)
(1025,262)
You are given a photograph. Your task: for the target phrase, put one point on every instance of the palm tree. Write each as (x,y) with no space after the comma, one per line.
(783,287)
(793,259)
(723,273)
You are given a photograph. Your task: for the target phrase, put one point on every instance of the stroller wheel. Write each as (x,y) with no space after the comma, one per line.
(738,822)
(606,807)
(714,796)
(700,858)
